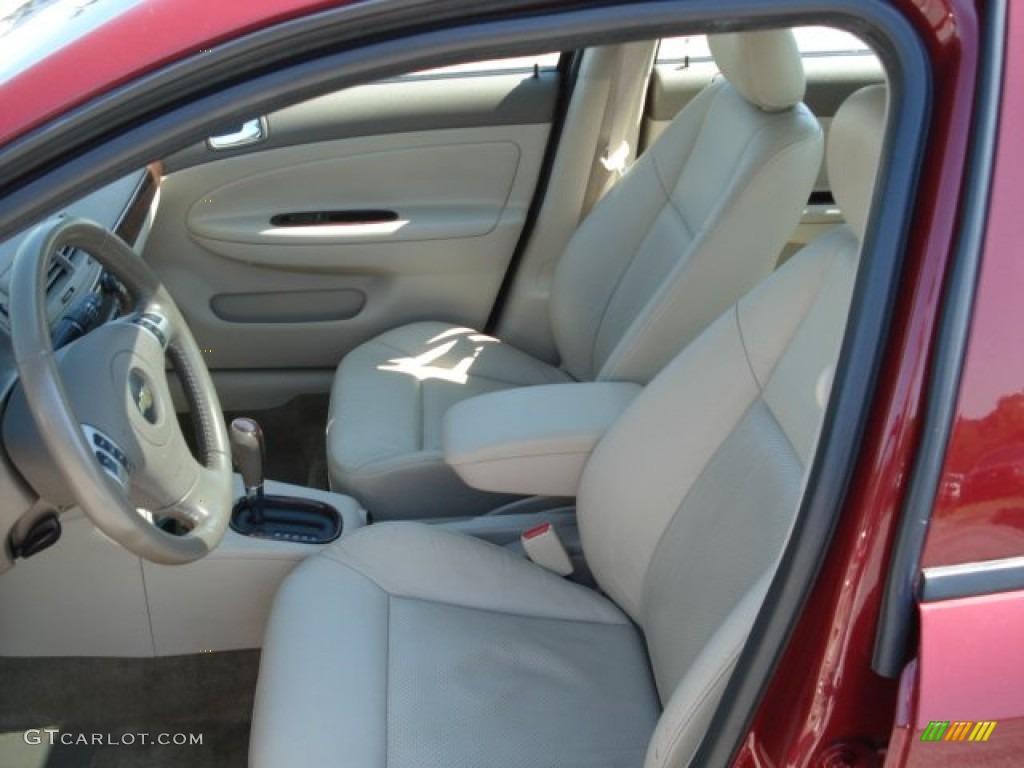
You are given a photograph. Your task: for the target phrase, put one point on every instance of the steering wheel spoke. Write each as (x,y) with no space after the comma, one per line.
(112,459)
(156,323)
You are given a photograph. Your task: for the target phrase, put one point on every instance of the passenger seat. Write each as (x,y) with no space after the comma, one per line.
(695,223)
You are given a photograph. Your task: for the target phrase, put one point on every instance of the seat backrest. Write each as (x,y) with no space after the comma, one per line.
(685,505)
(699,219)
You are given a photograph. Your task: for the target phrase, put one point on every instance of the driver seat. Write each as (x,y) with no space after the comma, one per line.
(405,645)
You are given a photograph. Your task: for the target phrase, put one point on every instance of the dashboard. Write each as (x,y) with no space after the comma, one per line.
(73,272)
(124,207)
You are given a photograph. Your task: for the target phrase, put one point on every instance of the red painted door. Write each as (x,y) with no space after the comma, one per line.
(962,700)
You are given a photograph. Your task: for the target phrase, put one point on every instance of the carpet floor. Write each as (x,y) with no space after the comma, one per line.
(116,701)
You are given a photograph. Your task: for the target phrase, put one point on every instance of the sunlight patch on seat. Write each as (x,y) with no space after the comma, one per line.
(426,366)
(468,333)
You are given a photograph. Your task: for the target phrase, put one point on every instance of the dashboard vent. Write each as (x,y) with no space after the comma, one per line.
(61,268)
(71,272)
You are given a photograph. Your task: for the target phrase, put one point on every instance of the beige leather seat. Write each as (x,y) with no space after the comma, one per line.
(406,645)
(695,223)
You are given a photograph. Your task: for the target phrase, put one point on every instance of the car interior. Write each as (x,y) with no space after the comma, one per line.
(460,417)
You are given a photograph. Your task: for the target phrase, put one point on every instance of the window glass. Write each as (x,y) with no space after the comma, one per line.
(812,41)
(514,64)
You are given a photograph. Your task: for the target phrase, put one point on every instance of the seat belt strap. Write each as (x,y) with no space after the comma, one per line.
(620,124)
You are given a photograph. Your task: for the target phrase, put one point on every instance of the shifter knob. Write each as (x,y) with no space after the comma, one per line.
(248,453)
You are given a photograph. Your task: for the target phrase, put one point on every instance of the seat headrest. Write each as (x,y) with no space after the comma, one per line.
(854,149)
(764,66)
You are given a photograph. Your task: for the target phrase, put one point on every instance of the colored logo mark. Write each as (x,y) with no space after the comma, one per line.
(958,730)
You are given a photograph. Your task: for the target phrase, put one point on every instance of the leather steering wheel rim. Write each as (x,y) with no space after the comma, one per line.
(199,493)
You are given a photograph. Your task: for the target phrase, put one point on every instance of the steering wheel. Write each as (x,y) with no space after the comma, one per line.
(101,408)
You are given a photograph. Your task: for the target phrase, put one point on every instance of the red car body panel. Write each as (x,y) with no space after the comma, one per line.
(140,40)
(971,669)
(986,520)
(824,705)
(971,662)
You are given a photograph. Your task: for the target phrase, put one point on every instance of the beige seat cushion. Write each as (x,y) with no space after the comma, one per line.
(490,661)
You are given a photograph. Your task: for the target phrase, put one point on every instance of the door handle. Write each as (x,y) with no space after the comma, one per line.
(250,132)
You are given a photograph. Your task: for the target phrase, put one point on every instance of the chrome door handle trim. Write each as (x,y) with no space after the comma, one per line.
(252,132)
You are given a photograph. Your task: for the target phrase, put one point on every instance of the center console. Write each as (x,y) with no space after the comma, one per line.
(301,518)
(274,527)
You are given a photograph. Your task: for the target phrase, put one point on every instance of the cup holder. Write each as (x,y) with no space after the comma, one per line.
(287,518)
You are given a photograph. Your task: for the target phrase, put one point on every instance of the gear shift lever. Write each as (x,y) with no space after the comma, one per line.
(302,519)
(248,453)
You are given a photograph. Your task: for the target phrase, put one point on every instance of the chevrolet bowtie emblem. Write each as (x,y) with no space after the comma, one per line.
(142,395)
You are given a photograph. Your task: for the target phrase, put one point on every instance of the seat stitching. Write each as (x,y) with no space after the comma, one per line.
(738,158)
(629,262)
(695,234)
(677,733)
(627,266)
(538,368)
(327,554)
(698,240)
(669,202)
(746,351)
(539,617)
(391,463)
(485,377)
(392,346)
(796,328)
(387,684)
(782,430)
(422,420)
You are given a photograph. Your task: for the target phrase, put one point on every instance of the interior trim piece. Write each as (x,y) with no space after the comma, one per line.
(397,106)
(132,220)
(898,616)
(329,218)
(568,71)
(948,582)
(320,306)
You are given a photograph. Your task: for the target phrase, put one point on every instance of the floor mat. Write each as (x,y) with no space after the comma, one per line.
(113,713)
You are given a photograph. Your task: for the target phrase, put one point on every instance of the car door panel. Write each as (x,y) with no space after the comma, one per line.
(398,199)
(960,702)
(286,254)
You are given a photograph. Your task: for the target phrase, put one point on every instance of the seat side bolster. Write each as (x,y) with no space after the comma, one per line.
(688,712)
(297,667)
